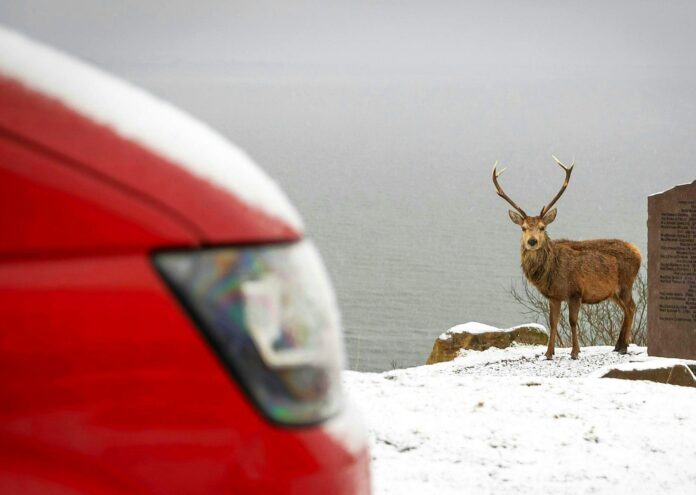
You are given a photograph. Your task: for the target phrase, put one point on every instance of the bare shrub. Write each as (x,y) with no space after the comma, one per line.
(599,324)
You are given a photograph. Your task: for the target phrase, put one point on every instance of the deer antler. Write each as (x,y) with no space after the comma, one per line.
(568,171)
(500,191)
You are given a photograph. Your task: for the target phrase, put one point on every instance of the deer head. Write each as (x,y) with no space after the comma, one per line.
(533,228)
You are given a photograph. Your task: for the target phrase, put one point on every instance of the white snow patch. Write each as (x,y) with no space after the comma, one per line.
(348,428)
(649,363)
(475,327)
(516,423)
(136,115)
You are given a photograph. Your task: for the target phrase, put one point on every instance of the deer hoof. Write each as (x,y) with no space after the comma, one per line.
(575,355)
(549,356)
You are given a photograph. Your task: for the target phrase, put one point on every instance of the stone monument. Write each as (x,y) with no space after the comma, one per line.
(672,272)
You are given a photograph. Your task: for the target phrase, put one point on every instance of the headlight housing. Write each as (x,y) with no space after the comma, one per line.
(270,314)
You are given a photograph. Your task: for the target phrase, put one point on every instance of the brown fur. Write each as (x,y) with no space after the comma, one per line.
(578,272)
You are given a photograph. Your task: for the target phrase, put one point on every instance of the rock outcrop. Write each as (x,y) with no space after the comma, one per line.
(670,371)
(479,337)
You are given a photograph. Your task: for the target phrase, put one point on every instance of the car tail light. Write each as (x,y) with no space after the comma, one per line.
(271,315)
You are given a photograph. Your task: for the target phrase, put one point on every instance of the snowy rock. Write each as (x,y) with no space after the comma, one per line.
(670,371)
(479,337)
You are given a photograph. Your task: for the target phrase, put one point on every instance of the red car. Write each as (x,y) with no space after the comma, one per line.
(164,326)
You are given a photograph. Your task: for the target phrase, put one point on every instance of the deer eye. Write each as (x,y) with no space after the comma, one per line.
(541,228)
(524,229)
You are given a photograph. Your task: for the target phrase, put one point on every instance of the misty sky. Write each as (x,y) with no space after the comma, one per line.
(365,36)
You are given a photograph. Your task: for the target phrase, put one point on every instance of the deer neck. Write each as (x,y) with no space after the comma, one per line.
(538,266)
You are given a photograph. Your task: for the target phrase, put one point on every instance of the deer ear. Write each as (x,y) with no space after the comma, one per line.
(516,217)
(549,217)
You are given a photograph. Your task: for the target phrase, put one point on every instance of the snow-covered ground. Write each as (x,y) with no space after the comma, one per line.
(508,421)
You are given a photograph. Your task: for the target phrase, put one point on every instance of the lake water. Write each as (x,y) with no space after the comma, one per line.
(393,180)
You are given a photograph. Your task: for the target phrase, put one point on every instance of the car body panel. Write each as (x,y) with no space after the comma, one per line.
(211,212)
(87,396)
(106,384)
(50,207)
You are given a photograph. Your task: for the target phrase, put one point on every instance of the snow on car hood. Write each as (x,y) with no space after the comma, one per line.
(140,117)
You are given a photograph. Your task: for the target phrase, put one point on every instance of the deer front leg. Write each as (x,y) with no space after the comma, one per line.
(574,304)
(554,315)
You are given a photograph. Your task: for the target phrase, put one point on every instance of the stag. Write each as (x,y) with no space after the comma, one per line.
(577,272)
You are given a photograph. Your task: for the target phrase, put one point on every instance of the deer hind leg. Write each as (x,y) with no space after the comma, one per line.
(625,300)
(574,304)
(554,315)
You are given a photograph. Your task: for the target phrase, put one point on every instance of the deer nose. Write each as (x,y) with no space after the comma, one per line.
(532,242)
